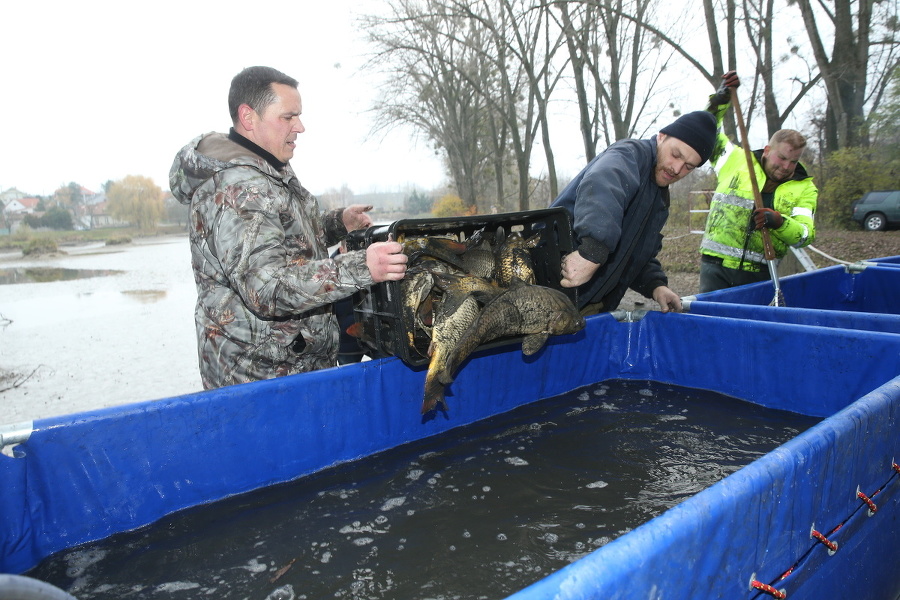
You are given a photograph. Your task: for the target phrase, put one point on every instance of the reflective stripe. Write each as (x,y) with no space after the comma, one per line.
(719,248)
(802,241)
(801,211)
(733,200)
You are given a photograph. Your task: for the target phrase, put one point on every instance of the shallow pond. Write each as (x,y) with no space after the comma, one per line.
(96,327)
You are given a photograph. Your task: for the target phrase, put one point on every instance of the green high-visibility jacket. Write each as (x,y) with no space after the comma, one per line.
(727,225)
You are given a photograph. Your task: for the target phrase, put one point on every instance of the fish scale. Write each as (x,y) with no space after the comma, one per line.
(533,311)
(449,326)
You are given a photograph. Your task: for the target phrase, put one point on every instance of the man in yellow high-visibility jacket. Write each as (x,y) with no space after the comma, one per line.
(732,250)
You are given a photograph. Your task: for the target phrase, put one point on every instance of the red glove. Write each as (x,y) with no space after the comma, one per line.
(768,218)
(723,94)
(730,79)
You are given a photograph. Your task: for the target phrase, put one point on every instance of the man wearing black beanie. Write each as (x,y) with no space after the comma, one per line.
(619,204)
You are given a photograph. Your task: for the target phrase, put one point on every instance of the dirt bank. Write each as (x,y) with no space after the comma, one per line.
(681,259)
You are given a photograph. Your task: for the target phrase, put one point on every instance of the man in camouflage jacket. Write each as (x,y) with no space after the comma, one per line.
(259,243)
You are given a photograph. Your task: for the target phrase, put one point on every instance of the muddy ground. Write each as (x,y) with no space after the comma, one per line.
(680,258)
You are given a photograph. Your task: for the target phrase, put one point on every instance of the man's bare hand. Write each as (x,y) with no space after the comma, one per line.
(386,261)
(355,217)
(577,270)
(667,299)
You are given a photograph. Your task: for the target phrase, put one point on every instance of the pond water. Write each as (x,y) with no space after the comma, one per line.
(96,326)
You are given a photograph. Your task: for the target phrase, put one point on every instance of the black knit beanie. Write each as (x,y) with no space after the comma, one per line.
(696,129)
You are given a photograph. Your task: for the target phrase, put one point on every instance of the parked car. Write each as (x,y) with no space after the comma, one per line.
(876,211)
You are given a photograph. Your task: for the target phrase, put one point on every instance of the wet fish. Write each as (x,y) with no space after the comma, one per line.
(452,318)
(514,259)
(415,292)
(479,258)
(533,311)
(456,286)
(441,248)
(416,295)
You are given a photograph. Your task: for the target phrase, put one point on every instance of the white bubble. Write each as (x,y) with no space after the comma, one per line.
(363,541)
(176,586)
(285,592)
(672,418)
(646,393)
(254,566)
(393,503)
(326,557)
(501,537)
(596,485)
(516,461)
(414,474)
(79,561)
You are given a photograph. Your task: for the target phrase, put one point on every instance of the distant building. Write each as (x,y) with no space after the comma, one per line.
(14,211)
(24,206)
(94,213)
(11,194)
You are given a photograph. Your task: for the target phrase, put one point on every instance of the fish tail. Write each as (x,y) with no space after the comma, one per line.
(434,395)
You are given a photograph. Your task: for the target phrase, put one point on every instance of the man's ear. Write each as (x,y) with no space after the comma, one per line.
(246,117)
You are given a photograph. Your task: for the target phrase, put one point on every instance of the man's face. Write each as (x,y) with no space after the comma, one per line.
(674,160)
(277,128)
(780,161)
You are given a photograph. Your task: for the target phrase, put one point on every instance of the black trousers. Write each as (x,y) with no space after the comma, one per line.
(714,276)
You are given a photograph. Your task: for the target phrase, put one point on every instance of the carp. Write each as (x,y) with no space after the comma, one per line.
(445,249)
(533,311)
(479,258)
(513,259)
(457,310)
(416,294)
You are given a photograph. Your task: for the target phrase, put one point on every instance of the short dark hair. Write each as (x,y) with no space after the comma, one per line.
(253,86)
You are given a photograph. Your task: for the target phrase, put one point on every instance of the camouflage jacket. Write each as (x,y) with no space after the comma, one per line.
(259,249)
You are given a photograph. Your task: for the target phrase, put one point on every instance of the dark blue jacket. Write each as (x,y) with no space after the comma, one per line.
(618,213)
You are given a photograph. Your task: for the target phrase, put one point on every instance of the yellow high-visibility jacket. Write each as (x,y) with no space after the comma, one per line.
(732,204)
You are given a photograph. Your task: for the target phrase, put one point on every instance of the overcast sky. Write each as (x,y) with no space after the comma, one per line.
(96,90)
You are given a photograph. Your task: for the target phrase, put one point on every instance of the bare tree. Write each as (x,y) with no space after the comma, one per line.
(521,44)
(616,62)
(437,77)
(865,46)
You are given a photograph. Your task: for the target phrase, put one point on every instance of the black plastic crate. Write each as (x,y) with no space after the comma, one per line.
(379,309)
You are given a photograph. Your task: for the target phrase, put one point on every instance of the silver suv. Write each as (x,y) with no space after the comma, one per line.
(877,210)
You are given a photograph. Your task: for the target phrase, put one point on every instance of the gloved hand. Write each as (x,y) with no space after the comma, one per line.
(768,218)
(723,94)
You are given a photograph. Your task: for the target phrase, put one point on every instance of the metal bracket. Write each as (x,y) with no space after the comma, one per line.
(629,316)
(860,266)
(13,434)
